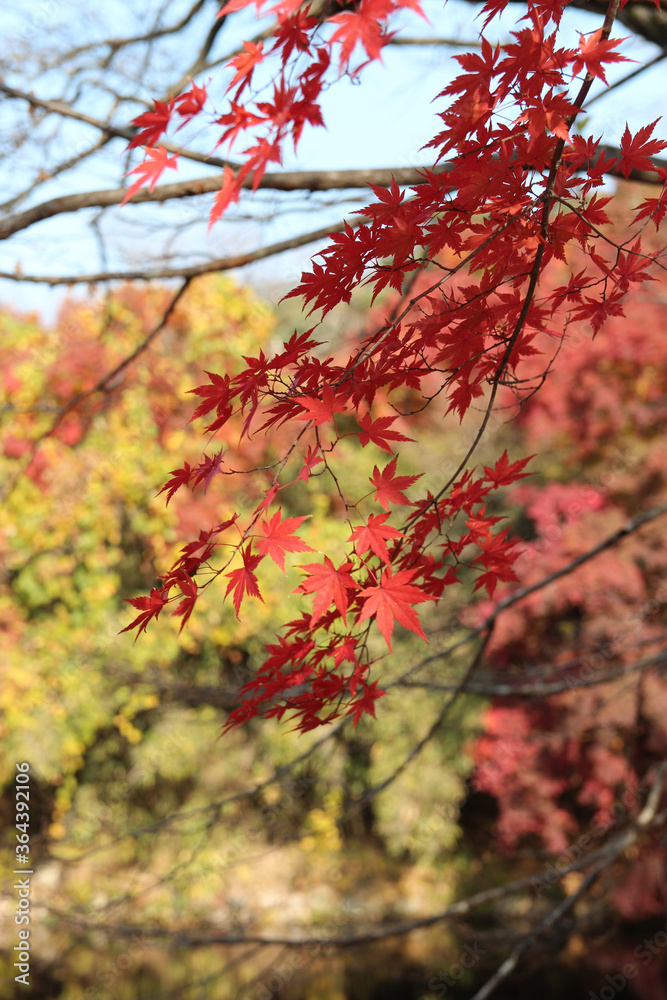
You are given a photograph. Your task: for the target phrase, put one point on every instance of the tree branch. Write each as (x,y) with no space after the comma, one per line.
(288,180)
(207,267)
(490,690)
(116,131)
(646,818)
(114,44)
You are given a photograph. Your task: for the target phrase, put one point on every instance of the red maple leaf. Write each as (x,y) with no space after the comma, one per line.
(150,607)
(239,119)
(392,598)
(366,703)
(191,102)
(378,432)
(243,581)
(157,160)
(245,63)
(214,396)
(234,5)
(229,192)
(190,594)
(363,26)
(345,651)
(292,32)
(594,51)
(357,28)
(502,474)
(497,555)
(636,151)
(200,550)
(372,536)
(181,477)
(279,538)
(152,124)
(329,585)
(206,470)
(389,487)
(321,411)
(312,459)
(654,208)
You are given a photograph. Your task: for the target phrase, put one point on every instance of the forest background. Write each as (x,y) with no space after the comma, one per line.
(401,854)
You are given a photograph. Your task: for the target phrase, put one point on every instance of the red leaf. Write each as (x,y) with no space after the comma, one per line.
(389,487)
(181,477)
(235,5)
(357,28)
(366,704)
(191,102)
(292,32)
(229,192)
(503,473)
(279,538)
(150,607)
(378,432)
(152,124)
(372,536)
(321,411)
(245,63)
(312,459)
(330,586)
(594,51)
(243,581)
(190,594)
(345,651)
(214,396)
(497,555)
(391,599)
(653,208)
(206,470)
(239,119)
(157,160)
(636,151)
(364,26)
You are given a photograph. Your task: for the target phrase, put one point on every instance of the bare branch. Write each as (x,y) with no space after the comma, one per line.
(199,63)
(207,267)
(626,79)
(456,43)
(117,131)
(115,44)
(488,689)
(45,176)
(289,180)
(647,818)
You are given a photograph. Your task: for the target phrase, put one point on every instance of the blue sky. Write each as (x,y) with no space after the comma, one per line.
(383,121)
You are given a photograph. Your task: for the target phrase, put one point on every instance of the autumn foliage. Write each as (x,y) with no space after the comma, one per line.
(471,311)
(574,758)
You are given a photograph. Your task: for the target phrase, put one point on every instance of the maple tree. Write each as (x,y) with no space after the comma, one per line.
(464,259)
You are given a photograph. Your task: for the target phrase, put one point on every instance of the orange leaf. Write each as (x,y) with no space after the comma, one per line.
(279,538)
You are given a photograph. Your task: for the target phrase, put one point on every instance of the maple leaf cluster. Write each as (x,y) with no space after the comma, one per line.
(463,258)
